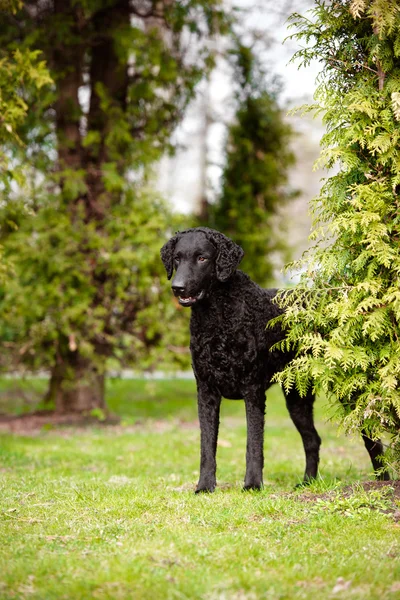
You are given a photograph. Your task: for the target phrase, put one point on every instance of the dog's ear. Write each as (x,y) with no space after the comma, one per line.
(167,254)
(228,257)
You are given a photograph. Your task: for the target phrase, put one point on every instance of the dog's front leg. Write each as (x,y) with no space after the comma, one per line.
(208,403)
(255,412)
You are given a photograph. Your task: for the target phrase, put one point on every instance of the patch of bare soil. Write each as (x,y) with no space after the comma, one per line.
(350,490)
(33,423)
(378,485)
(392,489)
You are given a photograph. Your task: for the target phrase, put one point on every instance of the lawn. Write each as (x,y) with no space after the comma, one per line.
(109,512)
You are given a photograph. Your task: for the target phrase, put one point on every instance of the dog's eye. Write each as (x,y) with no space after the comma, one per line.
(177,259)
(201,259)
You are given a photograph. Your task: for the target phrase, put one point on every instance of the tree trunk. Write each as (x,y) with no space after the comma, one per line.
(108,73)
(67,60)
(76,383)
(77,387)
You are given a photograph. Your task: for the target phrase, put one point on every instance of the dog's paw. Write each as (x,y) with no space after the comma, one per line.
(205,487)
(305,483)
(204,490)
(253,485)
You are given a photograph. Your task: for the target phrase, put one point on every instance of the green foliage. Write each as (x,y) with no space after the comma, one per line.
(254,183)
(133,107)
(21,72)
(84,234)
(343,319)
(99,292)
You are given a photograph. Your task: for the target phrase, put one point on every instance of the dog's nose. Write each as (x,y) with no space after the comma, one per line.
(178,290)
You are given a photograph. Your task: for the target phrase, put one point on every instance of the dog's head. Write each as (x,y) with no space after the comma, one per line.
(199,257)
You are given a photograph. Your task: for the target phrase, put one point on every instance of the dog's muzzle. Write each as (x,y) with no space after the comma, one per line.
(190,300)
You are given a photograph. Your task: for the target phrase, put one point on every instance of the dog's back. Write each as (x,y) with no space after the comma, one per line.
(230,341)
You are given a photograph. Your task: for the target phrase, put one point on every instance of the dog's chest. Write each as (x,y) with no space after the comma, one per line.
(221,331)
(225,351)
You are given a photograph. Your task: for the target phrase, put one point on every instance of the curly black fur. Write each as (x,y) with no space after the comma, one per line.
(231,348)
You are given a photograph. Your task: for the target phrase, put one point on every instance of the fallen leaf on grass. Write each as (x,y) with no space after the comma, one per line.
(224,444)
(395,587)
(186,487)
(27,588)
(120,480)
(341,585)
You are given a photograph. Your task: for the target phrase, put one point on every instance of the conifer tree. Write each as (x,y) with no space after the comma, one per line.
(344,317)
(255,176)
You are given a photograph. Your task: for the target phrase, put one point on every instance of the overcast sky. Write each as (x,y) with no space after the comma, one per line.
(180,177)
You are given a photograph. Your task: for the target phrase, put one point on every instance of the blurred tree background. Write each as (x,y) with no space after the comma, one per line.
(258,156)
(92,93)
(18,69)
(83,231)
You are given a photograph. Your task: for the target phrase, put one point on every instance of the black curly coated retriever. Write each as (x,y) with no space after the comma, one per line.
(231,349)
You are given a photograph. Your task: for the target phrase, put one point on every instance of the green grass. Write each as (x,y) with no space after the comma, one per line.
(109,512)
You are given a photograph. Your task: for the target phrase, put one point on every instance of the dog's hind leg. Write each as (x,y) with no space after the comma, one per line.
(301,412)
(375,451)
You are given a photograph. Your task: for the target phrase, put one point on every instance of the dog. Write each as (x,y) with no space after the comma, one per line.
(232,350)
